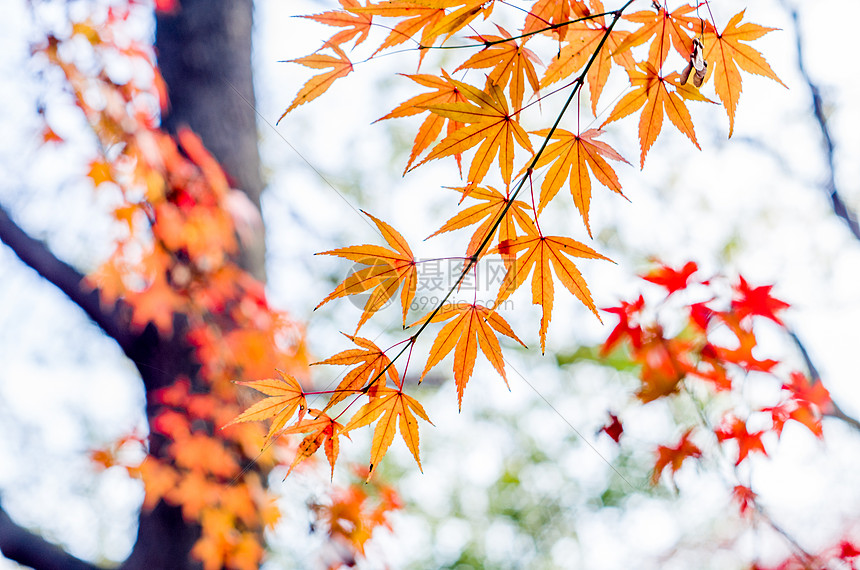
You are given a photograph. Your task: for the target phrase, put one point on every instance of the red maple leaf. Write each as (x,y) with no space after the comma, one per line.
(627,313)
(745,498)
(672,279)
(674,456)
(756,301)
(735,428)
(613,429)
(805,390)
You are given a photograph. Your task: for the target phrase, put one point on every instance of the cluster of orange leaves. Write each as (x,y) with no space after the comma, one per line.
(175,257)
(711,360)
(482,114)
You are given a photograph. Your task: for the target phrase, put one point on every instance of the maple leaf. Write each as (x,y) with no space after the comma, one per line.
(372,365)
(416,17)
(742,355)
(745,497)
(100,171)
(805,390)
(571,157)
(651,91)
(666,28)
(357,24)
(727,53)
(285,397)
(386,270)
(159,479)
(446,92)
(156,304)
(553,14)
(627,313)
(663,366)
(388,407)
(756,301)
(674,456)
(199,452)
(672,280)
(323,429)
(735,428)
(575,54)
(487,214)
(456,19)
(470,326)
(540,252)
(491,124)
(318,84)
(511,62)
(613,429)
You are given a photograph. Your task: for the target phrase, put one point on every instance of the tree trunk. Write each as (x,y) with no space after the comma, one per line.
(204,53)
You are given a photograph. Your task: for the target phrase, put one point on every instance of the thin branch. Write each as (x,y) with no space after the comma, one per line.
(30,549)
(66,278)
(836,201)
(834,411)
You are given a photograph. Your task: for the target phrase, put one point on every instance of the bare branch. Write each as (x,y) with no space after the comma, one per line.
(836,201)
(30,549)
(65,277)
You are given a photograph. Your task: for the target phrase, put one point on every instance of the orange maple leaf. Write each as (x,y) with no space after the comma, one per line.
(667,28)
(511,62)
(356,24)
(571,156)
(201,453)
(384,271)
(100,171)
(663,366)
(390,405)
(416,17)
(373,364)
(540,252)
(285,397)
(470,326)
(458,18)
(318,84)
(652,90)
(446,92)
(575,54)
(322,429)
(156,304)
(728,53)
(551,15)
(491,124)
(743,354)
(487,214)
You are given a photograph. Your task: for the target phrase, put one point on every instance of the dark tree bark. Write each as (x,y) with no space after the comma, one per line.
(204,53)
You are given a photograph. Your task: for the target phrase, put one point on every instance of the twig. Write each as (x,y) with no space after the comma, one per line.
(836,201)
(834,411)
(30,549)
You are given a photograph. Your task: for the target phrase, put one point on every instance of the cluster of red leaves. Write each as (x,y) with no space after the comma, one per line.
(713,349)
(710,359)
(175,257)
